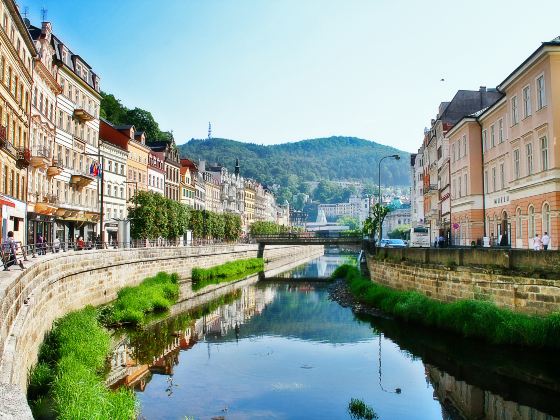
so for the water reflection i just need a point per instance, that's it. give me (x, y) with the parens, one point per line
(284, 350)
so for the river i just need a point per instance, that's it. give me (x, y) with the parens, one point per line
(280, 349)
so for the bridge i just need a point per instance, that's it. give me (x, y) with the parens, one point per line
(306, 238)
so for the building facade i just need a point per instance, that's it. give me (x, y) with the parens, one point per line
(172, 167)
(17, 52)
(156, 172)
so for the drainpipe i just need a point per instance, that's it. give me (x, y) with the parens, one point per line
(483, 184)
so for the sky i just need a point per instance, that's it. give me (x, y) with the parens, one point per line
(273, 71)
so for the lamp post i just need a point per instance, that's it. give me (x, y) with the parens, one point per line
(397, 390)
(396, 157)
(101, 159)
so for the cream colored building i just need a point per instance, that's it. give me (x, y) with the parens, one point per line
(41, 202)
(17, 52)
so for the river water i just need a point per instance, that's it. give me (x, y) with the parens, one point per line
(280, 349)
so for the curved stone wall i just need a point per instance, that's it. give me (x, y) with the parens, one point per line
(56, 284)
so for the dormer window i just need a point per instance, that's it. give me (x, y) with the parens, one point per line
(64, 55)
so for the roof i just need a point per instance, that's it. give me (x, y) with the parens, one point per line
(465, 102)
(528, 61)
(71, 59)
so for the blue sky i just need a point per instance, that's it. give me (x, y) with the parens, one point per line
(271, 71)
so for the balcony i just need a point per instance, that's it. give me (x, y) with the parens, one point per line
(3, 136)
(40, 157)
(47, 204)
(80, 179)
(55, 168)
(82, 115)
(23, 158)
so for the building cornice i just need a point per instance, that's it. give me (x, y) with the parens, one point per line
(78, 79)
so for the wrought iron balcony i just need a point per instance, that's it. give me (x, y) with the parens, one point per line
(40, 157)
(55, 168)
(23, 157)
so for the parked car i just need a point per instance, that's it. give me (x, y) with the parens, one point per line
(392, 243)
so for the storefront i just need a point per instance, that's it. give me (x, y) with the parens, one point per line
(13, 213)
(112, 232)
(39, 225)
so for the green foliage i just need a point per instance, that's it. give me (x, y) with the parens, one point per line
(68, 379)
(360, 410)
(154, 294)
(115, 112)
(374, 223)
(221, 226)
(352, 222)
(202, 277)
(290, 165)
(470, 318)
(152, 216)
(400, 232)
(267, 228)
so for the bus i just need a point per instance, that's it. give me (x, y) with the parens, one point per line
(420, 237)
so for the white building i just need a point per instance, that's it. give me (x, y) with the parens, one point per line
(356, 207)
(395, 219)
(156, 173)
(416, 191)
(114, 191)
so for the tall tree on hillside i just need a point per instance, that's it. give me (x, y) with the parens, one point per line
(143, 121)
(112, 109)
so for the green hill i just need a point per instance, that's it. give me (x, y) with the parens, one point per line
(288, 164)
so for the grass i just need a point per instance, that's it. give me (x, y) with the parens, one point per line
(467, 317)
(68, 380)
(133, 304)
(202, 277)
(360, 410)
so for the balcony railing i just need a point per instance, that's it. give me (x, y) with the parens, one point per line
(3, 136)
(81, 179)
(40, 157)
(23, 157)
(55, 168)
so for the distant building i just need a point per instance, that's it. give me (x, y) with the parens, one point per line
(156, 172)
(395, 218)
(356, 207)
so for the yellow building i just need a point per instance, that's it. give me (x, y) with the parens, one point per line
(250, 187)
(17, 52)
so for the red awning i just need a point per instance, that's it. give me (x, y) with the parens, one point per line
(6, 202)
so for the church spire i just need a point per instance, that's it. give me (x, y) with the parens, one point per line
(237, 167)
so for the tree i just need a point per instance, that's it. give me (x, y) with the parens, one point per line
(374, 223)
(352, 222)
(112, 109)
(143, 121)
(400, 232)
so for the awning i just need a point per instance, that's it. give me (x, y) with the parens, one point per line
(6, 202)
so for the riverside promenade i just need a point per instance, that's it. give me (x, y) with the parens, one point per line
(54, 284)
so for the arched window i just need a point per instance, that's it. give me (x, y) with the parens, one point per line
(518, 223)
(546, 218)
(531, 227)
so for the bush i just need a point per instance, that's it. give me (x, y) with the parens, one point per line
(202, 277)
(69, 377)
(154, 294)
(360, 410)
(468, 317)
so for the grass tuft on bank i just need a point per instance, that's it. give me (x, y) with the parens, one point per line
(133, 304)
(68, 380)
(233, 270)
(468, 317)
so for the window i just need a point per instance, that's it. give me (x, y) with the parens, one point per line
(501, 130)
(544, 153)
(514, 111)
(546, 218)
(464, 146)
(493, 179)
(460, 189)
(492, 136)
(531, 227)
(484, 140)
(466, 184)
(526, 101)
(541, 96)
(529, 151)
(502, 176)
(453, 151)
(516, 166)
(486, 182)
(518, 224)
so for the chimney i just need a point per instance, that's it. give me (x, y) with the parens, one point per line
(202, 166)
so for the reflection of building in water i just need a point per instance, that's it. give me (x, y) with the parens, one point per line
(126, 370)
(474, 403)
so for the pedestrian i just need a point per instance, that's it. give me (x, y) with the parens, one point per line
(504, 239)
(545, 241)
(56, 244)
(441, 241)
(537, 243)
(80, 243)
(12, 249)
(40, 244)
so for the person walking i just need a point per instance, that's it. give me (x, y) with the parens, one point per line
(537, 243)
(12, 247)
(545, 241)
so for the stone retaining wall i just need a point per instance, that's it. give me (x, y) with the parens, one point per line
(56, 284)
(523, 294)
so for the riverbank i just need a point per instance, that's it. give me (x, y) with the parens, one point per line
(469, 318)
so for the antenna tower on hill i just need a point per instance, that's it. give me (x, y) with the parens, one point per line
(209, 130)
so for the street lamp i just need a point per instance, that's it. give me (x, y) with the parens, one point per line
(396, 157)
(397, 390)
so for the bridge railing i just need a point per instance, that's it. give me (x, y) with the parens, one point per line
(307, 235)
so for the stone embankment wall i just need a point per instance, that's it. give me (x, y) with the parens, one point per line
(485, 276)
(56, 284)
